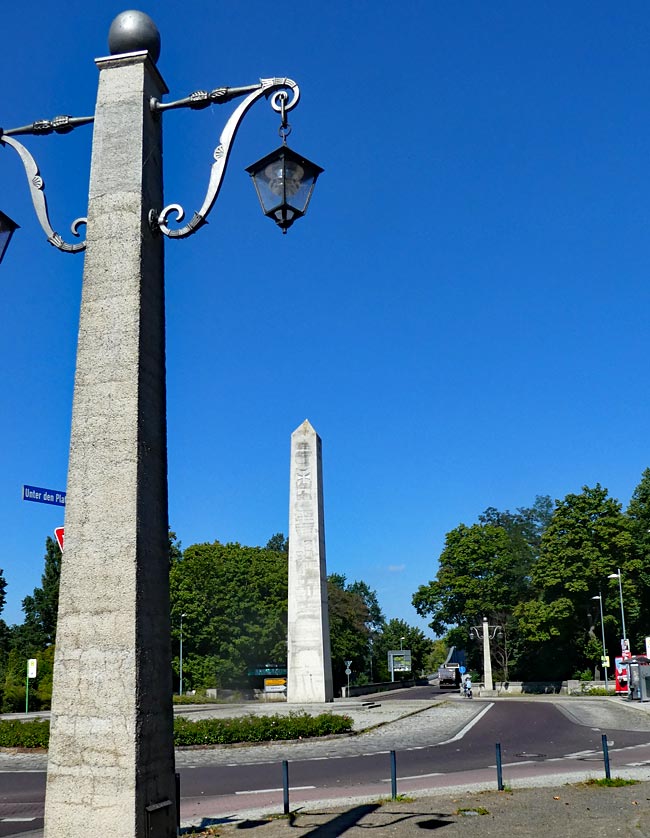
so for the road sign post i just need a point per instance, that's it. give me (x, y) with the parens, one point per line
(32, 665)
(348, 672)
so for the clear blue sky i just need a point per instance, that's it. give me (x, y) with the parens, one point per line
(462, 315)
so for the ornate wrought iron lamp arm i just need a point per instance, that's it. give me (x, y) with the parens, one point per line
(36, 185)
(275, 88)
(59, 125)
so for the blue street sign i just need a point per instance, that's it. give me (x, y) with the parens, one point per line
(39, 495)
(462, 670)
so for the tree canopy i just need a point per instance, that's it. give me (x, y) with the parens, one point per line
(537, 573)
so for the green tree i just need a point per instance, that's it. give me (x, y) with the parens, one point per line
(485, 570)
(3, 590)
(480, 573)
(588, 536)
(349, 631)
(41, 608)
(398, 634)
(175, 548)
(234, 599)
(278, 543)
(356, 620)
(376, 618)
(635, 575)
(436, 656)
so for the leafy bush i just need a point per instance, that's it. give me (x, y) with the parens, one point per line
(199, 698)
(36, 733)
(598, 691)
(258, 728)
(32, 734)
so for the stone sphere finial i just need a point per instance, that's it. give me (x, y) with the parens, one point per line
(133, 31)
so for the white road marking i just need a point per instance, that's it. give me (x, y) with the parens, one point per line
(469, 725)
(521, 762)
(414, 776)
(267, 791)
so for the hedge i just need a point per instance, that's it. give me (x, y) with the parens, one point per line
(35, 733)
(258, 728)
(32, 734)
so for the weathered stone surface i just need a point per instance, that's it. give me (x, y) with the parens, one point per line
(309, 665)
(111, 759)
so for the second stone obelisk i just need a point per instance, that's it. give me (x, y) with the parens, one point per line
(309, 663)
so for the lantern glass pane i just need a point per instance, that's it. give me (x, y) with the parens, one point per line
(284, 182)
(4, 241)
(7, 228)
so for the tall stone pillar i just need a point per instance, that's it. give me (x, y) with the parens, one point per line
(111, 758)
(309, 665)
(488, 686)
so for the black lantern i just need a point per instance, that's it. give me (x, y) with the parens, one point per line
(7, 227)
(284, 182)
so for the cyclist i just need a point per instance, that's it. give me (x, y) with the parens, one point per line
(467, 686)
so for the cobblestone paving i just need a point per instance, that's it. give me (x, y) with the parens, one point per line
(429, 725)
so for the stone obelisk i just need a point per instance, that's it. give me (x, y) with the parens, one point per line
(111, 757)
(309, 664)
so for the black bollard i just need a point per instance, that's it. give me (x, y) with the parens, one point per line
(393, 776)
(285, 786)
(608, 774)
(499, 768)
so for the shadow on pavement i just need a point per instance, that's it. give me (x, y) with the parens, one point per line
(340, 823)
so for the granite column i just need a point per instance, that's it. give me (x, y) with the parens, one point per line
(111, 758)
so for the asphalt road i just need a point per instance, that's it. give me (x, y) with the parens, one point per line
(534, 736)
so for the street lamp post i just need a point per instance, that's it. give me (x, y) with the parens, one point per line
(401, 643)
(602, 628)
(486, 632)
(180, 668)
(111, 753)
(625, 646)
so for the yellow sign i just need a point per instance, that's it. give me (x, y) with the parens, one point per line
(605, 660)
(275, 682)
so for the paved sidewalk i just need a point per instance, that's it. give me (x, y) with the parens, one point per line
(574, 811)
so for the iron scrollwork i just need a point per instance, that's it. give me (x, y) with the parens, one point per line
(36, 187)
(284, 94)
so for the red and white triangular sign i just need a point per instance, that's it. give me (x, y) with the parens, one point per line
(58, 534)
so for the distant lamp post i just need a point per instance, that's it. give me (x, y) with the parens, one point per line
(486, 632)
(401, 643)
(625, 646)
(602, 627)
(7, 228)
(180, 684)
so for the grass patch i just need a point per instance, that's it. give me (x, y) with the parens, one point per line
(474, 810)
(610, 782)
